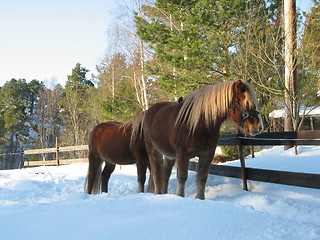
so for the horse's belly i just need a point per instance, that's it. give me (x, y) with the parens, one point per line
(117, 154)
(164, 147)
(120, 159)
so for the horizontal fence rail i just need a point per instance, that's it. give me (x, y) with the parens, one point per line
(270, 139)
(55, 150)
(271, 176)
(54, 162)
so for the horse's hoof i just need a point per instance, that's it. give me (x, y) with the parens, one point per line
(180, 194)
(201, 197)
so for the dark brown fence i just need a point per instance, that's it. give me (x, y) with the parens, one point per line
(271, 176)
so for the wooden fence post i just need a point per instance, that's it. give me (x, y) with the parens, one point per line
(252, 151)
(21, 165)
(57, 152)
(243, 167)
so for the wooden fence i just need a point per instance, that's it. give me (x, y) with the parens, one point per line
(271, 176)
(271, 139)
(55, 150)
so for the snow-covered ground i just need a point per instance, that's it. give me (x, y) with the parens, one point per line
(48, 203)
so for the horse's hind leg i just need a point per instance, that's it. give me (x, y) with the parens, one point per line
(166, 172)
(182, 173)
(155, 159)
(150, 188)
(106, 173)
(93, 180)
(142, 165)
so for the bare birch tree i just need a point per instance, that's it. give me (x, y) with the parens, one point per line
(125, 40)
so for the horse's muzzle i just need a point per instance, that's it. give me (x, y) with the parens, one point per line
(260, 128)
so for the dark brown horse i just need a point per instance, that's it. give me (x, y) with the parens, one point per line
(112, 143)
(191, 128)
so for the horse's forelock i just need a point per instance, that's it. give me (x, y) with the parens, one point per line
(253, 102)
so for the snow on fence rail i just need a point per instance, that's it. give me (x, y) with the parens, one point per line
(272, 139)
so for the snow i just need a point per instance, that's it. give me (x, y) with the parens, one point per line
(49, 203)
(307, 160)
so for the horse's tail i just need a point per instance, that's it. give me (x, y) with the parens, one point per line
(93, 180)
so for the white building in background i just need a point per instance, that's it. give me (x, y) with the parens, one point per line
(311, 121)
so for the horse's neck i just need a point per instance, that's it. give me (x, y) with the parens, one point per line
(210, 129)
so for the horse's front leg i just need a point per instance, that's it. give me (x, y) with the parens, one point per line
(182, 173)
(202, 174)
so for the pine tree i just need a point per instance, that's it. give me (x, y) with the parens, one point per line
(309, 62)
(77, 115)
(116, 87)
(310, 49)
(16, 108)
(192, 41)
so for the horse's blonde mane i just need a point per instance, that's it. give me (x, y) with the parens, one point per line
(212, 101)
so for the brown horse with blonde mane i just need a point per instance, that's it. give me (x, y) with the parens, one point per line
(115, 143)
(191, 128)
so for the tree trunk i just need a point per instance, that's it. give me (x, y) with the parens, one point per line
(143, 93)
(143, 81)
(290, 29)
(113, 82)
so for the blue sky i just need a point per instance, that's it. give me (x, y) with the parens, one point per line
(44, 39)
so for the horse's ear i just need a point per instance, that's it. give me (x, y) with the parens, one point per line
(180, 99)
(240, 86)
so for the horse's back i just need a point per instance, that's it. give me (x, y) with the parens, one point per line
(161, 116)
(103, 131)
(160, 109)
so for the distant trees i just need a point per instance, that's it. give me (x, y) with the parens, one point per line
(32, 115)
(310, 48)
(116, 89)
(46, 121)
(14, 103)
(124, 40)
(308, 58)
(76, 104)
(17, 105)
